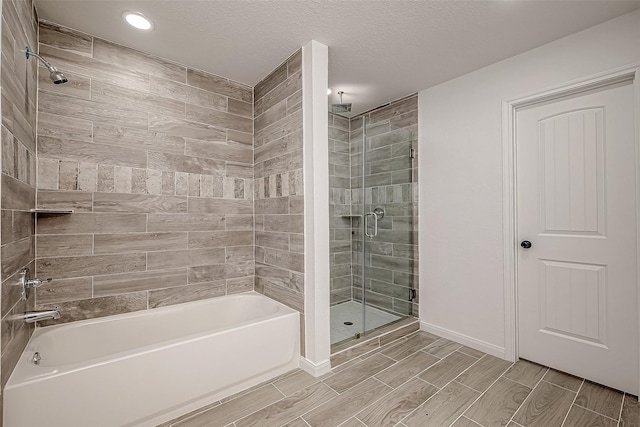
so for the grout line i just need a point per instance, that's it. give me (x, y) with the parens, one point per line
(529, 396)
(598, 413)
(433, 344)
(374, 401)
(357, 419)
(422, 404)
(572, 403)
(481, 393)
(462, 350)
(402, 360)
(425, 381)
(471, 388)
(564, 388)
(624, 396)
(244, 392)
(525, 385)
(257, 410)
(469, 419)
(274, 386)
(319, 405)
(439, 388)
(396, 388)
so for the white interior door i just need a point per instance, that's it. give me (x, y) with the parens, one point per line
(576, 205)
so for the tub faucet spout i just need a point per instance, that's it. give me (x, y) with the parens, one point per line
(37, 316)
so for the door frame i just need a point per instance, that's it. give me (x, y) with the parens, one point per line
(509, 188)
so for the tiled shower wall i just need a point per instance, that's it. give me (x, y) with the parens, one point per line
(340, 226)
(392, 183)
(156, 160)
(279, 192)
(17, 187)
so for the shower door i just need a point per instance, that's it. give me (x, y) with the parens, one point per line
(385, 232)
(372, 227)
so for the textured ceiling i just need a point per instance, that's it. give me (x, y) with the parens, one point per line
(379, 51)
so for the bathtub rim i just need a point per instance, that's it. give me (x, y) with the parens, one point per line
(292, 317)
(156, 310)
(28, 372)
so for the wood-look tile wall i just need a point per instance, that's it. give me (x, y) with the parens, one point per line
(392, 183)
(18, 181)
(156, 160)
(17, 187)
(278, 184)
(340, 227)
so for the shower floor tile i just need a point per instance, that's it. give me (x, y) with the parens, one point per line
(351, 311)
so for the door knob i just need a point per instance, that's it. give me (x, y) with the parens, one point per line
(526, 244)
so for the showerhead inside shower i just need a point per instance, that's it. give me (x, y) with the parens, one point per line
(56, 76)
(341, 107)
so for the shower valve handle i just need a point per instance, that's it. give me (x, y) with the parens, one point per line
(27, 283)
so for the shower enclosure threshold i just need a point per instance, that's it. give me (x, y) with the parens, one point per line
(382, 335)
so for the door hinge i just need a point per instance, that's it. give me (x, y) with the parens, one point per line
(412, 153)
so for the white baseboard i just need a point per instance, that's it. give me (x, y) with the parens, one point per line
(474, 343)
(313, 369)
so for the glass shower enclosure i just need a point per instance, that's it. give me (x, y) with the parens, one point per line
(373, 225)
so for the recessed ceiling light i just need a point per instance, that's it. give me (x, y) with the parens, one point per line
(136, 19)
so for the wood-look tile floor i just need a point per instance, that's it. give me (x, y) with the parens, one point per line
(423, 380)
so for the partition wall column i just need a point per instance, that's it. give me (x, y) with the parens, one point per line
(315, 77)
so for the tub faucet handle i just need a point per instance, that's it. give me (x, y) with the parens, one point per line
(35, 283)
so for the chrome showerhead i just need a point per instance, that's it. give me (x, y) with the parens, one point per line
(56, 76)
(341, 107)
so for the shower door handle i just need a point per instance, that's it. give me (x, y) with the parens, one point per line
(366, 224)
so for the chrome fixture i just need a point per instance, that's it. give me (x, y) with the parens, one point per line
(377, 214)
(56, 76)
(341, 107)
(36, 358)
(38, 316)
(27, 283)
(379, 211)
(366, 224)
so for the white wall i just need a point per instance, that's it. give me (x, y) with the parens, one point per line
(460, 124)
(315, 81)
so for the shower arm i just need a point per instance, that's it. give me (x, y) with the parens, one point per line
(50, 67)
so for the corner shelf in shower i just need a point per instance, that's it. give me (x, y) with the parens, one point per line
(51, 211)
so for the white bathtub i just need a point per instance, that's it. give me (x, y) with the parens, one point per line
(143, 368)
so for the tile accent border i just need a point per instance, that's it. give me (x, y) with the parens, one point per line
(156, 159)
